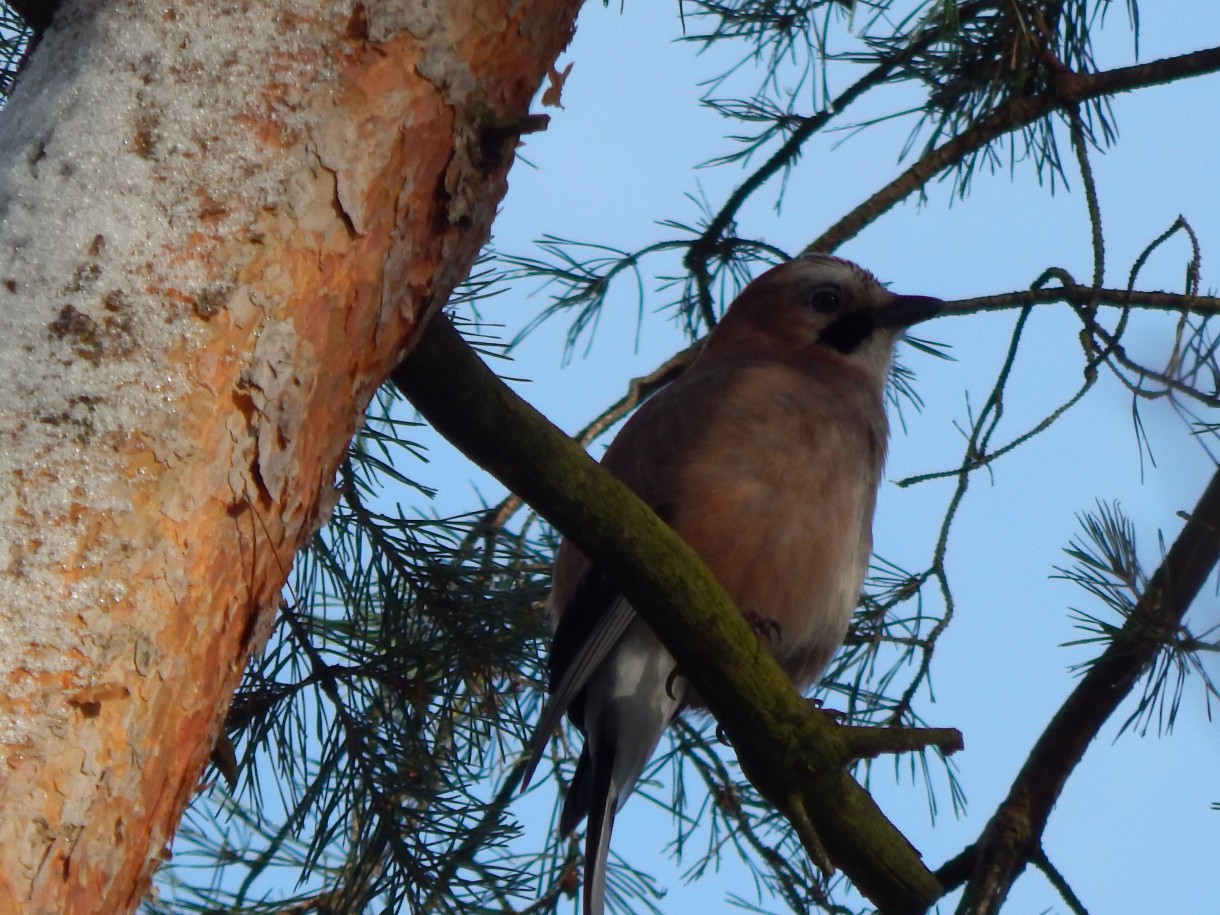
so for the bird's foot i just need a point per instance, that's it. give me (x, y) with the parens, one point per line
(764, 627)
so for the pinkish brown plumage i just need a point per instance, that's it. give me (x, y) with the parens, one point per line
(765, 456)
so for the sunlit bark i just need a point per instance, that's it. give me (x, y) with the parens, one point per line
(222, 223)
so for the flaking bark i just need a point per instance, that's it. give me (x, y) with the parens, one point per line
(223, 223)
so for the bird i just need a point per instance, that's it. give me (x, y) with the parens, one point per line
(765, 456)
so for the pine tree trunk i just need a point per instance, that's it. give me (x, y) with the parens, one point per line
(221, 224)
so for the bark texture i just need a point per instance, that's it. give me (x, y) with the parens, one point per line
(220, 225)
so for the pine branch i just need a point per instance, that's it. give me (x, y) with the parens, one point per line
(1065, 91)
(1013, 836)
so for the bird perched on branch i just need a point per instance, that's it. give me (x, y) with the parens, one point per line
(765, 456)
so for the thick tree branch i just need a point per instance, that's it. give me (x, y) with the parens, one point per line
(1013, 836)
(639, 390)
(795, 757)
(1067, 90)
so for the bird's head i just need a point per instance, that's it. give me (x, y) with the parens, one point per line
(822, 304)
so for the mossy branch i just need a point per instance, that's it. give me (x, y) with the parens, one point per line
(869, 743)
(794, 756)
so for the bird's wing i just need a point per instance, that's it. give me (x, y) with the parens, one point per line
(591, 612)
(572, 674)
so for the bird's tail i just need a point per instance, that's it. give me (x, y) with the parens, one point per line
(593, 793)
(627, 708)
(604, 798)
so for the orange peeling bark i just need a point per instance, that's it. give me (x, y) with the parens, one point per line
(294, 309)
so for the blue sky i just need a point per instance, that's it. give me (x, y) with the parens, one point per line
(1133, 832)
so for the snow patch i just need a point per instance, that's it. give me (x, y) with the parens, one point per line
(136, 134)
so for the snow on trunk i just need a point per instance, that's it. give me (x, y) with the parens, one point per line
(220, 223)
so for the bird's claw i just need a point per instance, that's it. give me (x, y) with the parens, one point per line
(674, 676)
(764, 627)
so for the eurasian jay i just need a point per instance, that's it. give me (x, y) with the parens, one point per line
(765, 456)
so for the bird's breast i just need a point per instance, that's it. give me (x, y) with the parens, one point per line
(779, 503)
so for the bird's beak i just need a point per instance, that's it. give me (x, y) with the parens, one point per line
(906, 310)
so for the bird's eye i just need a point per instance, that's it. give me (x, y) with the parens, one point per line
(826, 299)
